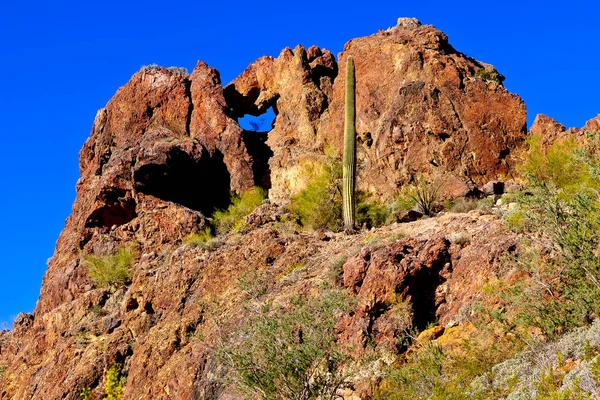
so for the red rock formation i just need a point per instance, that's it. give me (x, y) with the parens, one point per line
(422, 108)
(166, 151)
(162, 152)
(593, 125)
(213, 128)
(549, 130)
(422, 279)
(298, 85)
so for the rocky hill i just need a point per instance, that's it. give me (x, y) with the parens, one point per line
(167, 151)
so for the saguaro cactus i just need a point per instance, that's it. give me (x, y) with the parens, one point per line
(349, 160)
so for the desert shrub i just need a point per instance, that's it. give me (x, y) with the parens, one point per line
(568, 288)
(403, 200)
(515, 221)
(114, 384)
(372, 213)
(156, 67)
(226, 220)
(335, 269)
(462, 205)
(422, 197)
(488, 75)
(291, 353)
(198, 239)
(86, 394)
(253, 284)
(204, 240)
(181, 70)
(465, 204)
(560, 204)
(459, 373)
(562, 165)
(319, 204)
(425, 196)
(151, 67)
(113, 388)
(111, 270)
(485, 203)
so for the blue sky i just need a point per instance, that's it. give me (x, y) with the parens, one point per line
(61, 61)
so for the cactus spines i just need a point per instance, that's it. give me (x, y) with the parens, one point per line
(349, 159)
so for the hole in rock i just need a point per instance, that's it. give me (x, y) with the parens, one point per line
(200, 184)
(256, 130)
(422, 292)
(148, 308)
(132, 304)
(118, 209)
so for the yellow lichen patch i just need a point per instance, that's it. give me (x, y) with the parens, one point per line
(454, 337)
(431, 334)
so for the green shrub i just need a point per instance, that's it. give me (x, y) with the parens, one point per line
(198, 239)
(113, 387)
(562, 165)
(489, 75)
(429, 372)
(319, 204)
(515, 221)
(111, 270)
(426, 196)
(114, 384)
(226, 220)
(404, 199)
(561, 204)
(462, 205)
(422, 197)
(290, 354)
(86, 394)
(204, 240)
(372, 213)
(335, 270)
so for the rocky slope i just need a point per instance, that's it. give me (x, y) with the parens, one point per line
(167, 150)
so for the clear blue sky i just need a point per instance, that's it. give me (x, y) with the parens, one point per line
(61, 61)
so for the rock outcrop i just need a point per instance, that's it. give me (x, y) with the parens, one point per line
(549, 130)
(423, 109)
(427, 277)
(298, 85)
(163, 328)
(167, 150)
